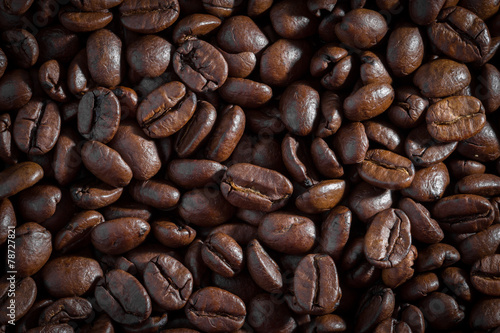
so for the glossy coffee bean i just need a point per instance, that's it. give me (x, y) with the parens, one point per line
(484, 275)
(120, 235)
(148, 17)
(222, 254)
(104, 54)
(263, 269)
(33, 245)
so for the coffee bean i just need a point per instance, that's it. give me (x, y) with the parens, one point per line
(213, 309)
(19, 177)
(484, 275)
(222, 254)
(104, 54)
(149, 55)
(150, 16)
(441, 78)
(321, 197)
(120, 235)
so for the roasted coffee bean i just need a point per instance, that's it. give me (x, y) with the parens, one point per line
(242, 233)
(484, 314)
(246, 93)
(93, 194)
(38, 203)
(70, 276)
(82, 21)
(194, 25)
(149, 55)
(123, 297)
(487, 185)
(455, 118)
(157, 193)
(264, 313)
(423, 150)
(441, 78)
(99, 115)
(297, 162)
(463, 168)
(351, 143)
(325, 159)
(366, 200)
(361, 28)
(299, 106)
(376, 305)
(21, 47)
(480, 245)
(76, 234)
(287, 233)
(449, 311)
(222, 254)
(457, 279)
(150, 16)
(405, 49)
(436, 256)
(33, 244)
(205, 207)
(24, 297)
(460, 34)
(368, 102)
(402, 272)
(166, 110)
(252, 187)
(7, 219)
(19, 177)
(213, 309)
(137, 150)
(52, 79)
(200, 66)
(423, 227)
(8, 150)
(168, 282)
(419, 286)
(321, 197)
(173, 235)
(104, 54)
(386, 169)
(316, 285)
(227, 133)
(263, 269)
(482, 147)
(16, 89)
(64, 310)
(464, 213)
(429, 184)
(195, 173)
(120, 235)
(484, 275)
(37, 127)
(388, 238)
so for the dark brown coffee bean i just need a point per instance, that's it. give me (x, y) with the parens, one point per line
(242, 233)
(423, 227)
(195, 173)
(38, 203)
(196, 130)
(372, 70)
(316, 285)
(252, 187)
(484, 314)
(457, 279)
(482, 147)
(128, 101)
(99, 115)
(388, 238)
(429, 184)
(106, 164)
(246, 93)
(263, 269)
(149, 55)
(8, 150)
(104, 54)
(455, 118)
(351, 143)
(205, 207)
(485, 273)
(464, 213)
(405, 50)
(335, 231)
(436, 256)
(53, 81)
(386, 169)
(7, 219)
(297, 162)
(82, 21)
(33, 244)
(76, 234)
(369, 101)
(408, 109)
(487, 185)
(150, 16)
(166, 110)
(321, 197)
(173, 235)
(461, 28)
(226, 134)
(70, 276)
(385, 134)
(64, 310)
(293, 20)
(480, 245)
(284, 61)
(21, 47)
(366, 200)
(17, 297)
(19, 177)
(168, 282)
(137, 150)
(264, 314)
(193, 26)
(299, 106)
(361, 28)
(419, 287)
(222, 254)
(287, 233)
(325, 160)
(94, 194)
(441, 78)
(123, 297)
(441, 311)
(120, 235)
(241, 65)
(200, 66)
(157, 193)
(463, 168)
(15, 89)
(376, 305)
(213, 309)
(423, 150)
(37, 127)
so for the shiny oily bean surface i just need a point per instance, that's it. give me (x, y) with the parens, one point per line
(120, 235)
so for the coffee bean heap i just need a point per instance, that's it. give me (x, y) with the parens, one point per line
(182, 166)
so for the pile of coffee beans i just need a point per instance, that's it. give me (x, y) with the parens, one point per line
(183, 166)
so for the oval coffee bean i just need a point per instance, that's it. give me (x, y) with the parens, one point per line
(299, 107)
(386, 169)
(464, 213)
(436, 256)
(485, 275)
(148, 17)
(369, 101)
(166, 110)
(321, 197)
(173, 235)
(130, 307)
(99, 115)
(19, 177)
(120, 235)
(287, 233)
(316, 284)
(213, 309)
(226, 134)
(376, 305)
(487, 185)
(423, 227)
(16, 89)
(33, 245)
(104, 54)
(222, 254)
(77, 232)
(149, 55)
(252, 187)
(23, 298)
(205, 207)
(37, 127)
(246, 93)
(71, 276)
(93, 194)
(64, 310)
(263, 269)
(194, 25)
(195, 173)
(168, 282)
(455, 118)
(441, 78)
(157, 193)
